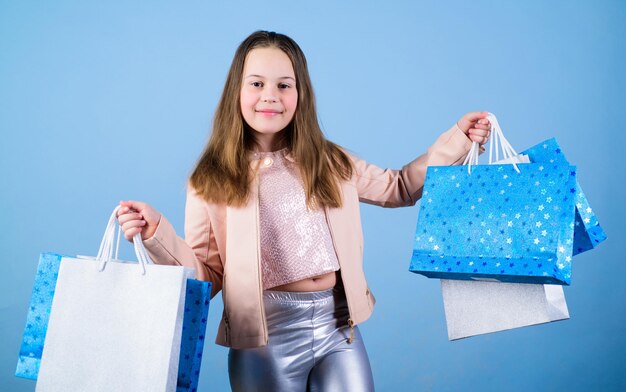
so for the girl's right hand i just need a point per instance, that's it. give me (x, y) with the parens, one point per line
(476, 126)
(137, 217)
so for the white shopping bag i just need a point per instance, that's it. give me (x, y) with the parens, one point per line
(475, 308)
(114, 326)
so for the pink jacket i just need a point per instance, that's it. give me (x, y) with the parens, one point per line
(222, 242)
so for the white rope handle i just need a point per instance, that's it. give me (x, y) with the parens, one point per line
(105, 253)
(472, 157)
(498, 143)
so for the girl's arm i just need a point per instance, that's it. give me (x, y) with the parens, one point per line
(399, 188)
(199, 249)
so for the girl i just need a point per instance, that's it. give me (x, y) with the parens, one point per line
(272, 219)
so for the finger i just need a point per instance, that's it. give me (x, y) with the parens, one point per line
(469, 119)
(125, 204)
(475, 116)
(478, 135)
(482, 126)
(479, 132)
(130, 216)
(133, 205)
(133, 223)
(131, 233)
(124, 208)
(479, 139)
(137, 205)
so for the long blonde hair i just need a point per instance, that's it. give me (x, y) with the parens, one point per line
(223, 175)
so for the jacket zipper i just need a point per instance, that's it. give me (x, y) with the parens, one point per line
(350, 321)
(227, 328)
(258, 259)
(351, 324)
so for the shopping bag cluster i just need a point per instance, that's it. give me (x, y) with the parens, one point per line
(105, 324)
(518, 220)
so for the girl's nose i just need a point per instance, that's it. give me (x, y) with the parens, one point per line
(269, 95)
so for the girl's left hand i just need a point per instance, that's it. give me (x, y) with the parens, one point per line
(476, 126)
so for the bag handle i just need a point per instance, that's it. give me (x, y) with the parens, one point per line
(105, 253)
(498, 143)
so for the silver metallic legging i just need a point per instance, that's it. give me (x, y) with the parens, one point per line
(308, 347)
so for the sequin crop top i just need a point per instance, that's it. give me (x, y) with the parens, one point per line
(295, 241)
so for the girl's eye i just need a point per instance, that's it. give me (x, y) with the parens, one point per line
(283, 85)
(257, 84)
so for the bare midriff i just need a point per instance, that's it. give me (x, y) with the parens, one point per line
(316, 283)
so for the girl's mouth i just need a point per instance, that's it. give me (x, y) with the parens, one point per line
(268, 112)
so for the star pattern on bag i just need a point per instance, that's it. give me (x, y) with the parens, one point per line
(587, 230)
(38, 315)
(194, 327)
(488, 224)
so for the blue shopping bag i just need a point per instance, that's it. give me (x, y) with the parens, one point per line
(197, 300)
(497, 223)
(588, 233)
(194, 330)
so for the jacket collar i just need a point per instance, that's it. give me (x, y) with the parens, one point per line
(256, 156)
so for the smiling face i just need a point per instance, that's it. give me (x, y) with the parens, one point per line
(268, 95)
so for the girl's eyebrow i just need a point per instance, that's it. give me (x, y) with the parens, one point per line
(259, 76)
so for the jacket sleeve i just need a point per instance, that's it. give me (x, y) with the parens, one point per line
(399, 188)
(199, 249)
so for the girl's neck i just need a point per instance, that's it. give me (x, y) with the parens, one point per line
(269, 143)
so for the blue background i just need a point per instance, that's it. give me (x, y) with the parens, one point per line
(110, 101)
